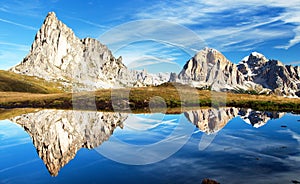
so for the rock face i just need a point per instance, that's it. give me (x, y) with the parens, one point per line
(212, 120)
(271, 74)
(210, 68)
(59, 134)
(58, 55)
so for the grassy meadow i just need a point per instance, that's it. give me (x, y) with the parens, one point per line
(167, 98)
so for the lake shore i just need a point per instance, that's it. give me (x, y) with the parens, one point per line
(166, 99)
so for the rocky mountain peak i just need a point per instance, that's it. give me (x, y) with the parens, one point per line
(272, 75)
(83, 64)
(209, 67)
(255, 59)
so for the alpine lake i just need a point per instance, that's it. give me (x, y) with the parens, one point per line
(228, 145)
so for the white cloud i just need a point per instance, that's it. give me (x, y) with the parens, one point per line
(195, 12)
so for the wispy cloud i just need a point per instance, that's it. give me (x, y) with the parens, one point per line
(19, 24)
(89, 22)
(151, 42)
(294, 63)
(24, 8)
(16, 46)
(150, 60)
(234, 21)
(9, 58)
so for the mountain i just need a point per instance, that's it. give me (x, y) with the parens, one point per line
(210, 69)
(271, 74)
(85, 64)
(58, 134)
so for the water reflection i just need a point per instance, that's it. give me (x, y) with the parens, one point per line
(59, 134)
(213, 120)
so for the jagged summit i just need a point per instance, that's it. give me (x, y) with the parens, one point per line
(51, 14)
(209, 67)
(85, 64)
(254, 55)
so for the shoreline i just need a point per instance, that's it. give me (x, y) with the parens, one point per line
(165, 99)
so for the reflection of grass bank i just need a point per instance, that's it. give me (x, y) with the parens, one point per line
(140, 99)
(10, 113)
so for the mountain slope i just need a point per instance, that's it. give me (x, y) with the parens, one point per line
(210, 68)
(271, 74)
(58, 55)
(10, 81)
(83, 64)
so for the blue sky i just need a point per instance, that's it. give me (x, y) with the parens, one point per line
(160, 32)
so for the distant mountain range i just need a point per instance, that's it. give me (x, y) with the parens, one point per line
(85, 64)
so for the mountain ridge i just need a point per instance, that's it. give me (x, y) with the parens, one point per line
(86, 64)
(209, 68)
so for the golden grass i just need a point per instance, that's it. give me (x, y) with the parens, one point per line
(11, 113)
(176, 98)
(10, 81)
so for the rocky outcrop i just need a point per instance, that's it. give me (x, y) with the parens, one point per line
(271, 74)
(213, 120)
(210, 68)
(83, 64)
(59, 134)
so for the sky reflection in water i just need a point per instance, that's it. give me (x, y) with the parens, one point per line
(236, 152)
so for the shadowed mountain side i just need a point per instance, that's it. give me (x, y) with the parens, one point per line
(59, 134)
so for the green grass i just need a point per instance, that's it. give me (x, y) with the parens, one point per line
(13, 82)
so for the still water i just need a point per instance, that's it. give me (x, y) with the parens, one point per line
(229, 145)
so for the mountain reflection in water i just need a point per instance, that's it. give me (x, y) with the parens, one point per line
(58, 134)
